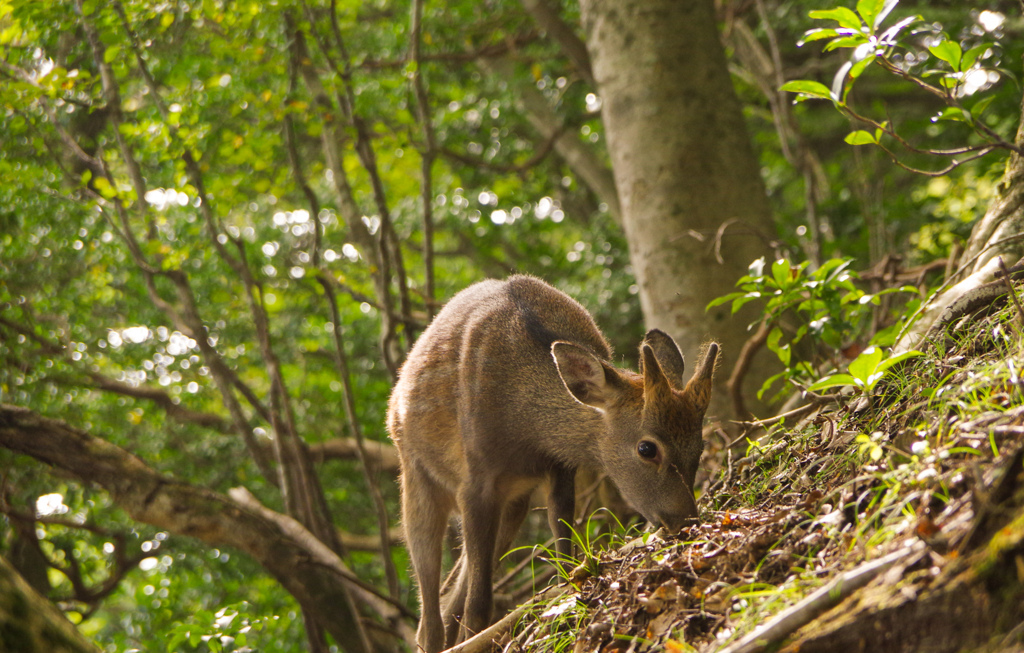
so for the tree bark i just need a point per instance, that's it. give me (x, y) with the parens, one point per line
(319, 581)
(693, 204)
(31, 624)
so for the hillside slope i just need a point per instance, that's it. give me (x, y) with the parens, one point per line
(890, 522)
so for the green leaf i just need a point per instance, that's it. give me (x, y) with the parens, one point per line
(833, 381)
(807, 87)
(769, 382)
(740, 302)
(104, 188)
(866, 364)
(861, 66)
(784, 352)
(845, 17)
(780, 272)
(718, 301)
(860, 137)
(951, 113)
(949, 81)
(980, 106)
(111, 53)
(899, 358)
(817, 35)
(883, 13)
(948, 51)
(854, 41)
(974, 54)
(869, 9)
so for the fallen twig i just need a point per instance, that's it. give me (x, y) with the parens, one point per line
(821, 600)
(816, 401)
(485, 639)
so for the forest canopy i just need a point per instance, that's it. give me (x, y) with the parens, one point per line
(223, 225)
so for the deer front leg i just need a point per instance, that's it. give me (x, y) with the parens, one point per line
(562, 509)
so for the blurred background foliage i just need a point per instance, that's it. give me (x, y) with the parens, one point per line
(81, 337)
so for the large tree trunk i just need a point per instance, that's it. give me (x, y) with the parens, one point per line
(693, 204)
(999, 234)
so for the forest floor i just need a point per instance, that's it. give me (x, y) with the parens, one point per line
(893, 522)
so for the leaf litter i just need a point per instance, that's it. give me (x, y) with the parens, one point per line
(918, 469)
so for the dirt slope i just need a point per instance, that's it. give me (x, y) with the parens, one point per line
(915, 493)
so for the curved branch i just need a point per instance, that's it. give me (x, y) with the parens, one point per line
(321, 588)
(32, 621)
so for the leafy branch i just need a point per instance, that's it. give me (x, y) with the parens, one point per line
(871, 42)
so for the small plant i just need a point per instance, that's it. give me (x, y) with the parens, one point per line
(824, 302)
(865, 371)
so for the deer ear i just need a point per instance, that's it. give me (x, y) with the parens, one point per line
(656, 384)
(585, 376)
(668, 355)
(700, 385)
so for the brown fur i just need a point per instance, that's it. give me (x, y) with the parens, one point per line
(510, 387)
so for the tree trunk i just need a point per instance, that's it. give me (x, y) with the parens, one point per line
(693, 204)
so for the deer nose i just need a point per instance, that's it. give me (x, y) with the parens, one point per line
(684, 514)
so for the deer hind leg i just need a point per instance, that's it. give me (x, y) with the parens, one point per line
(469, 590)
(511, 519)
(454, 599)
(425, 509)
(481, 508)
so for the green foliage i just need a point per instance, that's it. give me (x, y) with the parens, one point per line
(824, 303)
(865, 371)
(963, 69)
(97, 272)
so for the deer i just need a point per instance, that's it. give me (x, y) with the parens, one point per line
(508, 388)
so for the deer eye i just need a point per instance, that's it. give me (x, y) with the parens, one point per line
(647, 449)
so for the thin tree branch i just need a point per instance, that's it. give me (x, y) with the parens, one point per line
(341, 363)
(427, 155)
(546, 15)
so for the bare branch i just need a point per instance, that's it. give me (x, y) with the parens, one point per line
(428, 154)
(545, 14)
(187, 510)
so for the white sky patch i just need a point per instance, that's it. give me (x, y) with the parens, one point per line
(136, 334)
(990, 21)
(179, 344)
(543, 209)
(50, 504)
(161, 198)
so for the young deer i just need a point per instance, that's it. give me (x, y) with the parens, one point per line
(511, 386)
